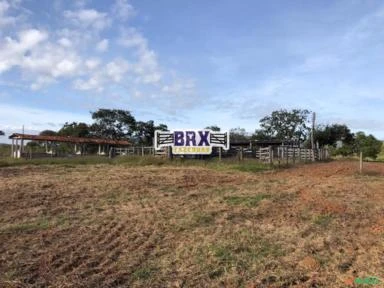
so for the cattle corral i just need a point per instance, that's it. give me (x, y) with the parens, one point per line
(313, 225)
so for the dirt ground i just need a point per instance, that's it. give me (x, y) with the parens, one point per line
(315, 225)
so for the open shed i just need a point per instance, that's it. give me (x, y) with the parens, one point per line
(18, 148)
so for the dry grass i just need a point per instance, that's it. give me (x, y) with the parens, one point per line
(317, 225)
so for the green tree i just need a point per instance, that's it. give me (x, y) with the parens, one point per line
(286, 125)
(368, 144)
(238, 135)
(145, 131)
(75, 129)
(261, 135)
(48, 133)
(113, 123)
(2, 133)
(214, 128)
(330, 134)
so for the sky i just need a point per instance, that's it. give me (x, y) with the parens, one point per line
(191, 63)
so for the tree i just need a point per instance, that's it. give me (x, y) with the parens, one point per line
(75, 129)
(2, 133)
(238, 135)
(113, 123)
(330, 134)
(286, 125)
(369, 145)
(145, 131)
(48, 133)
(261, 135)
(214, 128)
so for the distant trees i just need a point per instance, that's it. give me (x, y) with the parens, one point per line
(2, 133)
(368, 144)
(330, 134)
(144, 132)
(213, 128)
(113, 123)
(75, 129)
(350, 143)
(48, 133)
(284, 125)
(238, 135)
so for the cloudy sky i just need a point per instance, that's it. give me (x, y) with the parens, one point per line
(191, 63)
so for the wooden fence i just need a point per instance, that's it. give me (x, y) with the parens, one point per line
(267, 154)
(284, 153)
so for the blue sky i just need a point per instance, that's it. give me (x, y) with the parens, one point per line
(190, 64)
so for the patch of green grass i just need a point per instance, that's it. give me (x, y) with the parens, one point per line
(249, 201)
(144, 273)
(134, 161)
(244, 252)
(323, 220)
(251, 166)
(39, 224)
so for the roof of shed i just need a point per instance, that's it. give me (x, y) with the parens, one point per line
(70, 139)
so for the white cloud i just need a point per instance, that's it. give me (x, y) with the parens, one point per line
(45, 57)
(12, 51)
(93, 83)
(5, 20)
(92, 64)
(103, 45)
(116, 69)
(123, 10)
(131, 38)
(65, 42)
(146, 68)
(88, 18)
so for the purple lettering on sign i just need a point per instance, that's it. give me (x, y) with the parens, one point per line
(190, 137)
(203, 138)
(179, 138)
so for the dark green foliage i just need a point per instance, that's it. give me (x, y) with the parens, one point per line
(369, 145)
(113, 123)
(145, 131)
(345, 150)
(330, 134)
(213, 128)
(2, 133)
(75, 129)
(48, 133)
(285, 125)
(238, 135)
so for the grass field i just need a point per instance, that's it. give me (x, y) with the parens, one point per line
(103, 225)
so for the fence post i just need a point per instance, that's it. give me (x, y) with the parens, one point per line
(142, 151)
(270, 155)
(294, 155)
(361, 162)
(219, 153)
(170, 155)
(299, 154)
(287, 156)
(241, 154)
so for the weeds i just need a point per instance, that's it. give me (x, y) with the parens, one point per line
(323, 220)
(249, 201)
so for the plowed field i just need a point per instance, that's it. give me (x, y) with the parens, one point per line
(316, 225)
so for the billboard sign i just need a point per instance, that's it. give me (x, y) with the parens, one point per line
(191, 142)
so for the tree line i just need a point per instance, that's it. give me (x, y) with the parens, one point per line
(293, 125)
(113, 124)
